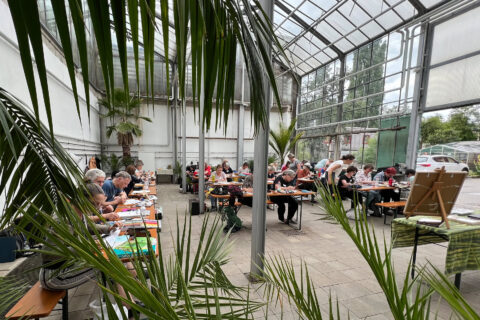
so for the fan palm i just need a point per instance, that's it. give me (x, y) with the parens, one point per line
(210, 29)
(124, 113)
(284, 139)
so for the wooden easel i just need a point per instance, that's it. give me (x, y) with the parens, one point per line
(434, 192)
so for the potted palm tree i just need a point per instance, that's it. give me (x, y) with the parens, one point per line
(284, 139)
(123, 111)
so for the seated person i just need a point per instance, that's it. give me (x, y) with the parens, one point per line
(114, 189)
(285, 182)
(227, 170)
(191, 168)
(217, 176)
(285, 166)
(97, 176)
(410, 175)
(345, 183)
(385, 176)
(52, 275)
(364, 177)
(134, 179)
(208, 170)
(270, 177)
(139, 168)
(247, 186)
(305, 173)
(244, 169)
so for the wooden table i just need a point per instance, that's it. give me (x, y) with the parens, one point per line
(226, 184)
(152, 191)
(151, 216)
(306, 180)
(276, 194)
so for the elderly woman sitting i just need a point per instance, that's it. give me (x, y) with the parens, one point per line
(217, 176)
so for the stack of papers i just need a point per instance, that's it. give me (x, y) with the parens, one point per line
(131, 201)
(464, 220)
(133, 214)
(141, 224)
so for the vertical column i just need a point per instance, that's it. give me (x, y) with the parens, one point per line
(184, 146)
(341, 83)
(174, 107)
(260, 175)
(240, 133)
(201, 140)
(416, 113)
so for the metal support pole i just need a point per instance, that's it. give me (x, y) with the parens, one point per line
(341, 83)
(241, 117)
(240, 133)
(416, 113)
(174, 107)
(260, 175)
(184, 146)
(201, 141)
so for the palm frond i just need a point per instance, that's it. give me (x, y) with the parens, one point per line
(409, 301)
(30, 158)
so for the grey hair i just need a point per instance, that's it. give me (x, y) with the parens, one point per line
(123, 174)
(270, 168)
(291, 155)
(94, 189)
(92, 174)
(289, 172)
(138, 163)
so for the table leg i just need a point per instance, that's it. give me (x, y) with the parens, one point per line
(65, 306)
(414, 258)
(300, 215)
(458, 279)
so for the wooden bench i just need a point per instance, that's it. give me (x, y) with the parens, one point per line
(396, 205)
(38, 303)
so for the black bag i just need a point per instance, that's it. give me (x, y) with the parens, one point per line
(219, 191)
(233, 221)
(20, 240)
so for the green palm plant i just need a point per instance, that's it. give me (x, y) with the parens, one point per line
(123, 111)
(210, 29)
(284, 139)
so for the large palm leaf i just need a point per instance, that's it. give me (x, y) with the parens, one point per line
(34, 168)
(283, 140)
(212, 28)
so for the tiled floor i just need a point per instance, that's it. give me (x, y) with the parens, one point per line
(334, 263)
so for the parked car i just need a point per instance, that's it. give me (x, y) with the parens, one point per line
(430, 163)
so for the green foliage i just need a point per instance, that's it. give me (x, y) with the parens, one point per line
(34, 168)
(212, 48)
(460, 126)
(111, 162)
(271, 159)
(123, 110)
(11, 290)
(126, 161)
(369, 153)
(177, 170)
(283, 140)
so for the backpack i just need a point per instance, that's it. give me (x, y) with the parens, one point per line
(233, 222)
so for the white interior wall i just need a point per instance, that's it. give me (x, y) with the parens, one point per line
(156, 144)
(81, 139)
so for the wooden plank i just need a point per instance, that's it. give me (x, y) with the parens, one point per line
(37, 302)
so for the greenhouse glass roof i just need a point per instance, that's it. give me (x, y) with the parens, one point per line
(315, 32)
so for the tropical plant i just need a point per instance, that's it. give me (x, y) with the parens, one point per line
(123, 111)
(30, 158)
(118, 25)
(284, 139)
(111, 163)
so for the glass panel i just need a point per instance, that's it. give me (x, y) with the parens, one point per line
(453, 38)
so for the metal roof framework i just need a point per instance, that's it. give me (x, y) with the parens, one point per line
(315, 32)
